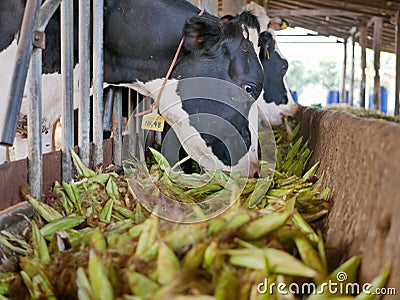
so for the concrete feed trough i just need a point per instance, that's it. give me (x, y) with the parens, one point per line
(360, 159)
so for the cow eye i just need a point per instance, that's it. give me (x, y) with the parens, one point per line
(249, 89)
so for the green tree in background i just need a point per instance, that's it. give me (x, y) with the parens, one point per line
(299, 76)
(328, 74)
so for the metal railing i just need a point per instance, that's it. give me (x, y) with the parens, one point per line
(35, 20)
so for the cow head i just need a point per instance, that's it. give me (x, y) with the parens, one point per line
(223, 50)
(276, 100)
(218, 129)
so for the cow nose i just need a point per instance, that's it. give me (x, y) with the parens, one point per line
(255, 170)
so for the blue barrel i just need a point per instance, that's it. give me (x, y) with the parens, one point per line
(384, 99)
(332, 97)
(295, 97)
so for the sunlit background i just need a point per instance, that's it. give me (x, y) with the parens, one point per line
(316, 67)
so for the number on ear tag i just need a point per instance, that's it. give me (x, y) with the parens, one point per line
(153, 121)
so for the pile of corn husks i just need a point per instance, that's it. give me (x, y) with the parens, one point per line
(363, 113)
(92, 239)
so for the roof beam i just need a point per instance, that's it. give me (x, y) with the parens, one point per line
(311, 12)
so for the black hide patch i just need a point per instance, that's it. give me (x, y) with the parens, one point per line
(219, 112)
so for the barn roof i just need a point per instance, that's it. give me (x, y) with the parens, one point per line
(338, 17)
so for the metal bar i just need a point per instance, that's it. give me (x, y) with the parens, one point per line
(67, 65)
(351, 92)
(378, 23)
(35, 157)
(18, 79)
(363, 44)
(98, 6)
(397, 89)
(343, 83)
(84, 82)
(15, 214)
(141, 132)
(117, 128)
(133, 101)
(35, 124)
(108, 109)
(46, 12)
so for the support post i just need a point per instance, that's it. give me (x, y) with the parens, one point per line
(67, 62)
(84, 82)
(35, 157)
(351, 91)
(363, 43)
(117, 128)
(35, 125)
(378, 22)
(343, 83)
(397, 90)
(98, 82)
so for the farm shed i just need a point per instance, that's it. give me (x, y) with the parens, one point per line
(360, 158)
(372, 24)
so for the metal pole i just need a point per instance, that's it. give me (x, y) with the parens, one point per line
(35, 124)
(46, 12)
(35, 158)
(67, 65)
(343, 84)
(98, 81)
(351, 92)
(363, 44)
(132, 124)
(84, 82)
(378, 23)
(397, 90)
(117, 128)
(108, 109)
(18, 79)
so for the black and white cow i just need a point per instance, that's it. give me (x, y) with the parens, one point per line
(140, 39)
(276, 99)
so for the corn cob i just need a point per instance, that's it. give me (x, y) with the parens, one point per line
(101, 286)
(61, 224)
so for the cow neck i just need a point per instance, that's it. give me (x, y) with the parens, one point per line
(154, 106)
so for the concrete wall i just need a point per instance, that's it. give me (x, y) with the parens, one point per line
(360, 159)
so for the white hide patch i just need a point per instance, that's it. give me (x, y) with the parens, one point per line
(51, 101)
(260, 13)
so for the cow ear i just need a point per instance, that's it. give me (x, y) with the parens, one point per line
(266, 38)
(201, 34)
(267, 43)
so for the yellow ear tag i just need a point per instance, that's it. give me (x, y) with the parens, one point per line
(153, 121)
(267, 55)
